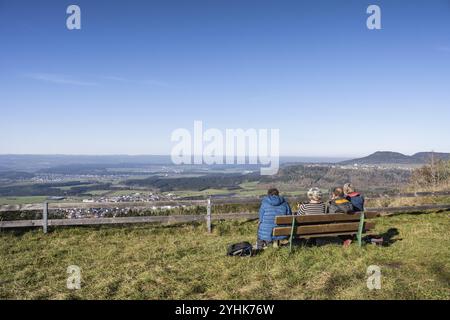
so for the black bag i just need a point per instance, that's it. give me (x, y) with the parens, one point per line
(345, 207)
(241, 249)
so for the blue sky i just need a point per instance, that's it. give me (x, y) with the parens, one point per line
(137, 70)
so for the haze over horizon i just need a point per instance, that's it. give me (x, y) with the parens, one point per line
(138, 70)
(168, 155)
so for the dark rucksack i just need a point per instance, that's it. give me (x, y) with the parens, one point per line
(346, 207)
(341, 206)
(241, 249)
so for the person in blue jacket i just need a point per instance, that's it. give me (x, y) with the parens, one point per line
(272, 205)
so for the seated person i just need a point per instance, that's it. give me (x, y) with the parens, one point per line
(338, 202)
(355, 198)
(315, 204)
(271, 206)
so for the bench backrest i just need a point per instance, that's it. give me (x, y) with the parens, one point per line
(323, 224)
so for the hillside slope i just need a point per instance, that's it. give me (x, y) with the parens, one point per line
(389, 157)
(305, 177)
(184, 262)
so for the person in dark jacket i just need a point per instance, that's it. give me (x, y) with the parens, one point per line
(354, 197)
(271, 206)
(338, 202)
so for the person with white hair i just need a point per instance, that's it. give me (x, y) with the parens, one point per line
(314, 205)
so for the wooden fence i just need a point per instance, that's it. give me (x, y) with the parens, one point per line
(170, 219)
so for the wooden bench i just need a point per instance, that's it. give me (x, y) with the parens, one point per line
(324, 225)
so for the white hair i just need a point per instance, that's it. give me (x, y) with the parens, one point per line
(348, 188)
(315, 194)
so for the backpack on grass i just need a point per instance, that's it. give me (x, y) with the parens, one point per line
(241, 249)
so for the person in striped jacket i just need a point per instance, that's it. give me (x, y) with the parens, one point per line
(315, 204)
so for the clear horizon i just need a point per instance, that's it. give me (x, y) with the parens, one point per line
(168, 155)
(138, 70)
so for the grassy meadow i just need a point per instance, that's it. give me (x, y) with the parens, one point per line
(184, 262)
(22, 200)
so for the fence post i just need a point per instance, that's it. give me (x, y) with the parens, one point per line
(45, 217)
(208, 215)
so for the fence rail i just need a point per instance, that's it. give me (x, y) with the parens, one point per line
(91, 205)
(174, 219)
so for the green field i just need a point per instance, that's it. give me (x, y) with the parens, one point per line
(98, 193)
(117, 193)
(22, 200)
(247, 189)
(202, 193)
(184, 262)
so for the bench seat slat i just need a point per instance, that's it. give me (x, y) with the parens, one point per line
(324, 218)
(333, 234)
(321, 229)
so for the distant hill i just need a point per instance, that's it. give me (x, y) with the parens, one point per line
(389, 157)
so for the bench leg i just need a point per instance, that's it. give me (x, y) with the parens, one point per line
(291, 238)
(360, 229)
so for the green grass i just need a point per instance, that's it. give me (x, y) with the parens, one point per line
(249, 185)
(98, 192)
(257, 189)
(206, 192)
(22, 200)
(125, 192)
(407, 201)
(184, 262)
(248, 189)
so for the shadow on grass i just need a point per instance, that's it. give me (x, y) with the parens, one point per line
(20, 231)
(441, 273)
(388, 237)
(417, 213)
(131, 226)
